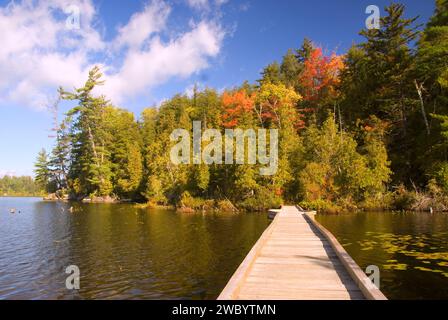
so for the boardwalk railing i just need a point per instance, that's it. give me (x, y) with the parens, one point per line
(297, 258)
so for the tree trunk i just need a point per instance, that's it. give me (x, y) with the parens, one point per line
(422, 104)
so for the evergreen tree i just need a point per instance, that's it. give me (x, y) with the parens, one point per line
(60, 158)
(381, 83)
(305, 50)
(430, 79)
(90, 171)
(271, 74)
(290, 70)
(42, 171)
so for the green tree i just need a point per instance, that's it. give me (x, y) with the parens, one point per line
(379, 82)
(90, 171)
(59, 162)
(290, 69)
(336, 171)
(42, 171)
(271, 74)
(125, 145)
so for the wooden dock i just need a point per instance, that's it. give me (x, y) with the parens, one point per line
(296, 258)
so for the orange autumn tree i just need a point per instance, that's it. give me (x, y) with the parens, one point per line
(320, 78)
(238, 108)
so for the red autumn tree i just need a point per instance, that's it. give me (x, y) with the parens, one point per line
(320, 77)
(238, 107)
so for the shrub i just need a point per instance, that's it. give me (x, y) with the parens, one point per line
(264, 199)
(188, 201)
(320, 205)
(403, 199)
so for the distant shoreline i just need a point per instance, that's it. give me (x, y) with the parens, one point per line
(20, 196)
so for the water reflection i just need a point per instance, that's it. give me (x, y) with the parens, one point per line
(122, 252)
(411, 249)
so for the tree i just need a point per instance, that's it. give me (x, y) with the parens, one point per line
(379, 82)
(337, 171)
(319, 80)
(60, 158)
(271, 74)
(276, 106)
(238, 107)
(165, 182)
(290, 69)
(42, 171)
(440, 17)
(90, 171)
(19, 186)
(430, 78)
(305, 50)
(125, 147)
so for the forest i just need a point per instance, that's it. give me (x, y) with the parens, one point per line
(11, 186)
(367, 129)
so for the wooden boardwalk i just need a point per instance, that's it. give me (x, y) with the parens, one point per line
(298, 259)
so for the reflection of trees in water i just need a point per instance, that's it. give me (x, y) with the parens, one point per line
(410, 249)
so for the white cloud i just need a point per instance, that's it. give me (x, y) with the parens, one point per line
(198, 4)
(38, 53)
(180, 57)
(205, 5)
(143, 24)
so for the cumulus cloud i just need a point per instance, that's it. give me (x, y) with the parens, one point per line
(143, 24)
(198, 4)
(39, 53)
(180, 57)
(205, 5)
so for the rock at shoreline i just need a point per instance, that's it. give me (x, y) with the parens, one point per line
(107, 199)
(51, 197)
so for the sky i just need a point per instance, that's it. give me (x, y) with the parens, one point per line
(150, 50)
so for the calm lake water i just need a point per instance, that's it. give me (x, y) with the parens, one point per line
(410, 249)
(122, 252)
(129, 253)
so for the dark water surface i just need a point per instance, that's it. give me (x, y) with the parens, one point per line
(122, 252)
(410, 249)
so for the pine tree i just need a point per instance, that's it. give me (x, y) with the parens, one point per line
(60, 158)
(381, 83)
(290, 69)
(42, 171)
(271, 74)
(90, 171)
(305, 50)
(125, 147)
(430, 78)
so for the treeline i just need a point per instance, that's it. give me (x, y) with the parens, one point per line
(11, 186)
(357, 130)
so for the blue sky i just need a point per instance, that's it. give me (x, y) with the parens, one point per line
(150, 50)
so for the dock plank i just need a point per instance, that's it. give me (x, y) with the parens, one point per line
(296, 258)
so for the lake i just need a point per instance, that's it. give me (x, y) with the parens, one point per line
(410, 249)
(128, 253)
(122, 252)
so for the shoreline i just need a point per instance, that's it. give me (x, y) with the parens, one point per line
(211, 209)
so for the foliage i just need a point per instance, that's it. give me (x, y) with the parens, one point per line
(351, 129)
(19, 186)
(337, 169)
(42, 172)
